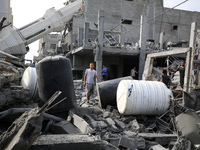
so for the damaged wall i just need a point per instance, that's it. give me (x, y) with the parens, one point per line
(175, 22)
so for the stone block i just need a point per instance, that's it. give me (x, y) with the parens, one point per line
(63, 127)
(130, 133)
(70, 142)
(127, 143)
(135, 127)
(128, 119)
(110, 121)
(109, 108)
(114, 141)
(157, 147)
(81, 124)
(106, 114)
(113, 128)
(98, 124)
(119, 124)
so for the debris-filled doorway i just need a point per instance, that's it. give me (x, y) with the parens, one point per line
(129, 63)
(113, 71)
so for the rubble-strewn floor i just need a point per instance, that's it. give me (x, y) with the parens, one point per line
(90, 127)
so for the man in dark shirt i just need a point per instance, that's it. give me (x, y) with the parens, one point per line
(165, 78)
(181, 70)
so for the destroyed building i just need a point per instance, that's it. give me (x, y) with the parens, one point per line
(48, 45)
(43, 108)
(122, 20)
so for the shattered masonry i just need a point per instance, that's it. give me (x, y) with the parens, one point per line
(44, 107)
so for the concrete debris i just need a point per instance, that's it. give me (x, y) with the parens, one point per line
(182, 143)
(188, 124)
(91, 127)
(70, 142)
(157, 147)
(23, 132)
(127, 143)
(81, 124)
(63, 127)
(103, 123)
(135, 127)
(119, 124)
(13, 96)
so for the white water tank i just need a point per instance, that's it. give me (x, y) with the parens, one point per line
(29, 82)
(142, 97)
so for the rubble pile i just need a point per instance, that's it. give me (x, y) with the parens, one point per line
(88, 126)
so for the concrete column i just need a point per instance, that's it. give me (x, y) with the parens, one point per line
(188, 83)
(154, 19)
(148, 68)
(86, 33)
(99, 50)
(161, 40)
(80, 37)
(122, 37)
(74, 37)
(142, 44)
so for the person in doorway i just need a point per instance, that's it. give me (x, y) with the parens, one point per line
(165, 78)
(181, 70)
(133, 73)
(104, 72)
(89, 80)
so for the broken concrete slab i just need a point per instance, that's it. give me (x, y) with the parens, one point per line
(163, 139)
(149, 144)
(81, 124)
(113, 128)
(10, 97)
(188, 124)
(135, 127)
(63, 127)
(182, 143)
(11, 114)
(119, 124)
(114, 141)
(23, 132)
(110, 121)
(106, 114)
(70, 142)
(98, 125)
(128, 119)
(127, 143)
(130, 133)
(157, 147)
(81, 111)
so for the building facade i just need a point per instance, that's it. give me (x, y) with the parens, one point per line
(122, 23)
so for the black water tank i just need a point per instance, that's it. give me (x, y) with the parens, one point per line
(54, 74)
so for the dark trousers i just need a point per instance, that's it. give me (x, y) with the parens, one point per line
(181, 82)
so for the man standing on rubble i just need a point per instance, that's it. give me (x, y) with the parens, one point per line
(181, 70)
(89, 80)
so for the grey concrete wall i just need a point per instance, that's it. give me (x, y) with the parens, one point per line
(116, 10)
(81, 62)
